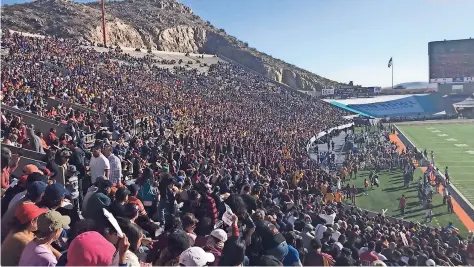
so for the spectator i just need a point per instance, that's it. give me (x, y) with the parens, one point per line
(22, 233)
(316, 258)
(189, 224)
(31, 174)
(115, 166)
(195, 256)
(97, 201)
(38, 251)
(99, 164)
(233, 252)
(9, 164)
(34, 193)
(121, 198)
(91, 190)
(215, 244)
(53, 197)
(132, 198)
(178, 242)
(92, 249)
(36, 144)
(369, 256)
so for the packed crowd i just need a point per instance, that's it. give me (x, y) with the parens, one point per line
(193, 170)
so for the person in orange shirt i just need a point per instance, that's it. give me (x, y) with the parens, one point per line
(43, 142)
(329, 198)
(324, 188)
(338, 196)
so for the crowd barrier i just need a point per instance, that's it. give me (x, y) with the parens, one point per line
(26, 152)
(323, 133)
(41, 124)
(460, 199)
(18, 172)
(54, 102)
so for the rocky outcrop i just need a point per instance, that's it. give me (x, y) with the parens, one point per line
(165, 25)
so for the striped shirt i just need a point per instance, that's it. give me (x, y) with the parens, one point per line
(115, 169)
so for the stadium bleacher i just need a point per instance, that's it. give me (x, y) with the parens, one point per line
(189, 142)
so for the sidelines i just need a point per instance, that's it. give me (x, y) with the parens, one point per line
(458, 210)
(462, 207)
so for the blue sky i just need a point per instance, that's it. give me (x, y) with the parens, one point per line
(345, 39)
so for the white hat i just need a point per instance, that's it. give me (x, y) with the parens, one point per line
(195, 256)
(219, 234)
(430, 262)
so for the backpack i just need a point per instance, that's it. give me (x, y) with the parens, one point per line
(146, 194)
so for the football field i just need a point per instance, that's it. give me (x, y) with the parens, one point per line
(453, 146)
(386, 197)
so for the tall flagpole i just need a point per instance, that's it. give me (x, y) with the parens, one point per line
(103, 23)
(392, 73)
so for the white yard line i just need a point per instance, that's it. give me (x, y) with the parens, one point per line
(440, 173)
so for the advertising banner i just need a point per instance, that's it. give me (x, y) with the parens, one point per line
(327, 91)
(400, 106)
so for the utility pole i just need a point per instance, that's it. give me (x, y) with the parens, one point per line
(103, 22)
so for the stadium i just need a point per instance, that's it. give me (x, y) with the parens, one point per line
(439, 122)
(119, 156)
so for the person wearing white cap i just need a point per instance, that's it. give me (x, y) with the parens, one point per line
(215, 243)
(195, 256)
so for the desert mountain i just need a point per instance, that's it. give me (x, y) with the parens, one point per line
(165, 25)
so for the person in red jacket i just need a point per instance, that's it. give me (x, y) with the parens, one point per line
(366, 258)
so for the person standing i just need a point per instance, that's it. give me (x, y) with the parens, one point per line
(450, 204)
(99, 164)
(77, 159)
(402, 205)
(115, 166)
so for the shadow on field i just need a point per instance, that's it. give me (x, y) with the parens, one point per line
(393, 189)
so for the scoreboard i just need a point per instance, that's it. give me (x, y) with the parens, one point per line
(451, 61)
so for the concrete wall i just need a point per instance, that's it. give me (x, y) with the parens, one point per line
(18, 172)
(54, 102)
(41, 124)
(26, 153)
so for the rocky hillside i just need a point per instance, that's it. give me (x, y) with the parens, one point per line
(162, 24)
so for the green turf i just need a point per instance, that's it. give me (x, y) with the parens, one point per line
(388, 194)
(453, 145)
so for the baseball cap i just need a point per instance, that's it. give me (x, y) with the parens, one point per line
(51, 221)
(72, 168)
(26, 212)
(195, 256)
(34, 190)
(65, 153)
(90, 249)
(122, 192)
(31, 168)
(55, 192)
(219, 234)
(430, 262)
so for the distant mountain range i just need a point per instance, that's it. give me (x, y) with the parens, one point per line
(412, 85)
